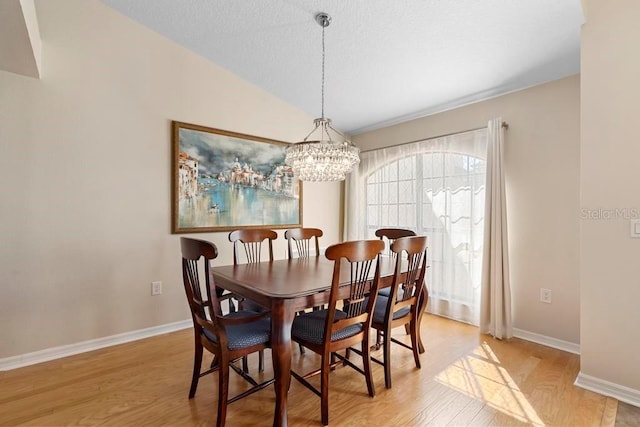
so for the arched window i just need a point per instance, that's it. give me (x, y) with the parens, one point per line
(391, 196)
(436, 188)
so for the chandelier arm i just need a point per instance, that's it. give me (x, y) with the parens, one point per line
(325, 129)
(339, 133)
(310, 133)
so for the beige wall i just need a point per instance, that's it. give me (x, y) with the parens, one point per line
(542, 153)
(85, 170)
(610, 259)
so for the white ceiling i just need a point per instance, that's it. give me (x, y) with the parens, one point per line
(387, 61)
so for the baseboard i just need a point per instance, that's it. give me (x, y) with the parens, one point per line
(606, 388)
(27, 359)
(45, 355)
(548, 341)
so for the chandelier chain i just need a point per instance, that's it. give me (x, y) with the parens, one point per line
(323, 71)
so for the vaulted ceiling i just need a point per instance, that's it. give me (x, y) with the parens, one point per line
(386, 61)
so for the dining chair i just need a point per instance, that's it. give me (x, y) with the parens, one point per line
(228, 337)
(303, 240)
(402, 306)
(332, 329)
(250, 243)
(389, 235)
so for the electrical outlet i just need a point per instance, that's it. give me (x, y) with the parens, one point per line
(545, 295)
(156, 288)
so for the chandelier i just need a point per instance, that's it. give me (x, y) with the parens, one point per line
(325, 158)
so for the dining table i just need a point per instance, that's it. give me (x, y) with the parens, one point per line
(286, 287)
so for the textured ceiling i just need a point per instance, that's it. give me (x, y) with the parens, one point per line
(387, 61)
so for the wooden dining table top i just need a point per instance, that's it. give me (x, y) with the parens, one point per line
(290, 279)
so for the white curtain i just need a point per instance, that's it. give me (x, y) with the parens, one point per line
(436, 188)
(495, 312)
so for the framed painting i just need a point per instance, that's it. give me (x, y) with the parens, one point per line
(225, 180)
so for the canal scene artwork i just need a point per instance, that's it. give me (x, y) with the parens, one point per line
(225, 180)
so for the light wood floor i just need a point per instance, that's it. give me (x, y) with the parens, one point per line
(466, 379)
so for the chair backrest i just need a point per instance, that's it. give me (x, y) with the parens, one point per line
(391, 234)
(251, 241)
(302, 238)
(361, 256)
(407, 292)
(203, 310)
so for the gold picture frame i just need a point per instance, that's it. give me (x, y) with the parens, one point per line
(226, 180)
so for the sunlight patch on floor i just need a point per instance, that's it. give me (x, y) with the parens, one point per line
(481, 376)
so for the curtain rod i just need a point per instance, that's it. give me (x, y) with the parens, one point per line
(505, 125)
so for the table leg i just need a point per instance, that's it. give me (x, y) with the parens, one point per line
(281, 320)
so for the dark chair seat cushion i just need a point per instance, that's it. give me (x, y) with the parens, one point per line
(381, 308)
(247, 335)
(310, 327)
(385, 292)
